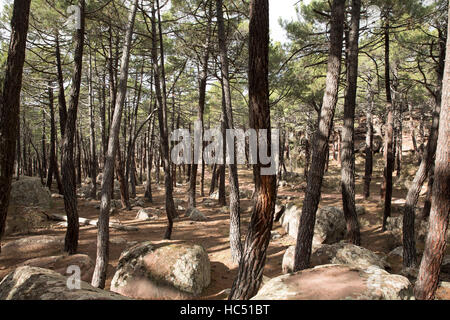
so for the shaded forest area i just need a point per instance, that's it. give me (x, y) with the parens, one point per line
(93, 194)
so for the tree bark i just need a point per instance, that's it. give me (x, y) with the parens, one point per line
(93, 158)
(368, 169)
(320, 144)
(428, 278)
(68, 168)
(10, 103)
(348, 130)
(162, 118)
(99, 276)
(409, 245)
(253, 258)
(235, 215)
(389, 158)
(201, 107)
(53, 166)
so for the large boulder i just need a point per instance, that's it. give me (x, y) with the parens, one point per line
(195, 215)
(176, 271)
(290, 219)
(349, 254)
(33, 247)
(395, 226)
(337, 282)
(30, 192)
(61, 264)
(31, 283)
(87, 190)
(144, 215)
(329, 228)
(338, 253)
(24, 220)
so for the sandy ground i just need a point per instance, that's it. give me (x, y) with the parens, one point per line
(213, 234)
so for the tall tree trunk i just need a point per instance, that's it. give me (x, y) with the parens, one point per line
(348, 130)
(427, 203)
(162, 117)
(235, 215)
(424, 171)
(10, 103)
(68, 168)
(150, 146)
(201, 107)
(428, 278)
(368, 169)
(389, 157)
(409, 246)
(53, 170)
(93, 159)
(61, 91)
(253, 259)
(99, 276)
(320, 144)
(43, 145)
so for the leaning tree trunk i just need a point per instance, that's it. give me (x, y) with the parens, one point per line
(428, 278)
(10, 103)
(235, 219)
(320, 144)
(68, 168)
(348, 130)
(251, 267)
(409, 245)
(99, 276)
(425, 170)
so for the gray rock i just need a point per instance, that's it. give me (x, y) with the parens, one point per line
(195, 215)
(30, 192)
(176, 271)
(349, 254)
(143, 215)
(290, 219)
(33, 247)
(338, 253)
(32, 283)
(62, 262)
(395, 226)
(25, 220)
(330, 226)
(337, 282)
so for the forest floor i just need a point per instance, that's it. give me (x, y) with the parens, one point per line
(213, 233)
